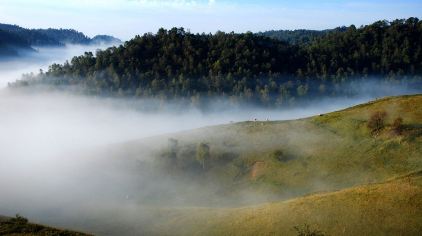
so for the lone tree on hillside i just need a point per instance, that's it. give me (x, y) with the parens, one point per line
(377, 121)
(203, 153)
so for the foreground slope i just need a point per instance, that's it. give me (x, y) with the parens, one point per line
(20, 226)
(390, 208)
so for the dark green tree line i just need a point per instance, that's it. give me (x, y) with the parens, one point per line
(174, 64)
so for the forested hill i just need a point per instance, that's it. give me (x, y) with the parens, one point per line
(31, 37)
(10, 43)
(14, 38)
(52, 37)
(247, 67)
(64, 36)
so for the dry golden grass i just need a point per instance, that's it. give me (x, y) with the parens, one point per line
(390, 208)
(326, 153)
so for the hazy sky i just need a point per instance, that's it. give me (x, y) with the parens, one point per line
(126, 18)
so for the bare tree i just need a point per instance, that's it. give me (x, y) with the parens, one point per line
(377, 121)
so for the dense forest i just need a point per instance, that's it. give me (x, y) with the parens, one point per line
(10, 44)
(14, 38)
(64, 36)
(247, 67)
(300, 36)
(31, 37)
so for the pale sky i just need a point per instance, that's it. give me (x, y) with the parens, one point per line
(127, 18)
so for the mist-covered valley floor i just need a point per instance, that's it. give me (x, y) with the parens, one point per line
(107, 165)
(12, 69)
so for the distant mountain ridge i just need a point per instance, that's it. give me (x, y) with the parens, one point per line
(10, 43)
(14, 38)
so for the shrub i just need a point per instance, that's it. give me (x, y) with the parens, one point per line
(305, 230)
(377, 121)
(19, 219)
(280, 156)
(398, 126)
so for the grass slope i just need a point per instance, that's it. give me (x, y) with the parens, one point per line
(390, 208)
(335, 154)
(292, 158)
(20, 226)
(264, 178)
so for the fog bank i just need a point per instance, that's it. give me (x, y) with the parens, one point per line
(12, 69)
(55, 167)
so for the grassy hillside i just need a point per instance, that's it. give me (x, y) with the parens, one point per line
(20, 226)
(329, 172)
(284, 159)
(393, 207)
(390, 208)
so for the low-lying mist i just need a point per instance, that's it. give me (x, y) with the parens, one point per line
(54, 122)
(55, 166)
(11, 69)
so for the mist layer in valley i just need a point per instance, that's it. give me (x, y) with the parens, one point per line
(62, 160)
(68, 160)
(11, 69)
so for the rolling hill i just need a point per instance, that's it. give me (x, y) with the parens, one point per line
(293, 158)
(330, 174)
